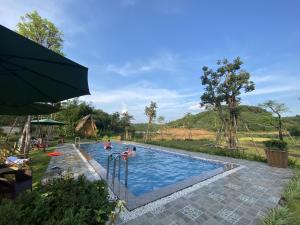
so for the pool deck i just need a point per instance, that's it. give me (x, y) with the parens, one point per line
(71, 161)
(241, 197)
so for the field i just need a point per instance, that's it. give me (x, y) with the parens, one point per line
(202, 140)
(182, 134)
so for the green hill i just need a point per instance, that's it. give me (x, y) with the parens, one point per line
(255, 117)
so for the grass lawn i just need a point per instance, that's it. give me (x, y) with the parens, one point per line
(39, 164)
(293, 203)
(289, 213)
(250, 151)
(205, 146)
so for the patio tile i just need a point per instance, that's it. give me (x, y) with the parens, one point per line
(241, 198)
(229, 216)
(191, 212)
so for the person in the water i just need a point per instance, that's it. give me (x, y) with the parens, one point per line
(108, 145)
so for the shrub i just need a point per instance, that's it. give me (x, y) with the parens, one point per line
(294, 131)
(63, 201)
(276, 145)
(278, 216)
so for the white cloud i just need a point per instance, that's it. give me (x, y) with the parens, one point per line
(124, 108)
(274, 89)
(195, 107)
(164, 62)
(133, 98)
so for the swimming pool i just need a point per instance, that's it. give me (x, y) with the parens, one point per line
(155, 172)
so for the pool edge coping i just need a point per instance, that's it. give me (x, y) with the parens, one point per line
(128, 215)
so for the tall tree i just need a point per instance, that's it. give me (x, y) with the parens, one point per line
(45, 33)
(126, 122)
(161, 121)
(150, 112)
(224, 86)
(41, 31)
(276, 108)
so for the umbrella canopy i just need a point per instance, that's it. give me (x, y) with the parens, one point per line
(30, 109)
(30, 73)
(47, 122)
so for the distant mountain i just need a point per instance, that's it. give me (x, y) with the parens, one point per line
(255, 117)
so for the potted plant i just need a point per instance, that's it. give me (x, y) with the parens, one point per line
(276, 153)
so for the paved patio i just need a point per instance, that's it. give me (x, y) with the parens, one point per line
(70, 161)
(242, 197)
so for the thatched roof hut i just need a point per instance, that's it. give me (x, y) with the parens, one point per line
(86, 127)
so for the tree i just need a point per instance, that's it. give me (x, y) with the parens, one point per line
(224, 86)
(41, 31)
(72, 111)
(276, 108)
(45, 33)
(188, 122)
(150, 112)
(161, 121)
(126, 122)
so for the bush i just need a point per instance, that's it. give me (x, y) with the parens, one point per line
(278, 216)
(289, 213)
(294, 131)
(63, 201)
(276, 145)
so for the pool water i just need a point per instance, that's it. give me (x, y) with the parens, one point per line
(151, 169)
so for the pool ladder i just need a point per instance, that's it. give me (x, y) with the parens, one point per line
(116, 160)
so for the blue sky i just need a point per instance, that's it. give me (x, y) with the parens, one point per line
(138, 50)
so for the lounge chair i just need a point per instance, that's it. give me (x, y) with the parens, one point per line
(21, 183)
(15, 161)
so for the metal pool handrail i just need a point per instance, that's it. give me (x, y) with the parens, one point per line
(116, 156)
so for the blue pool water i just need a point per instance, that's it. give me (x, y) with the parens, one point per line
(152, 169)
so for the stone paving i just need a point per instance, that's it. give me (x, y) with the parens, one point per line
(70, 161)
(241, 198)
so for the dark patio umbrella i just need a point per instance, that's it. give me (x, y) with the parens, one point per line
(30, 109)
(30, 73)
(47, 122)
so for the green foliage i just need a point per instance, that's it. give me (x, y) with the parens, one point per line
(107, 124)
(274, 107)
(289, 214)
(42, 31)
(202, 146)
(276, 145)
(278, 216)
(39, 164)
(292, 190)
(255, 117)
(294, 131)
(7, 120)
(150, 111)
(143, 126)
(64, 201)
(224, 85)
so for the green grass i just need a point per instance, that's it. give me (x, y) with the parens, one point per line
(39, 164)
(204, 146)
(290, 213)
(249, 151)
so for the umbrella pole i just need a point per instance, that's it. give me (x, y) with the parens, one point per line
(28, 137)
